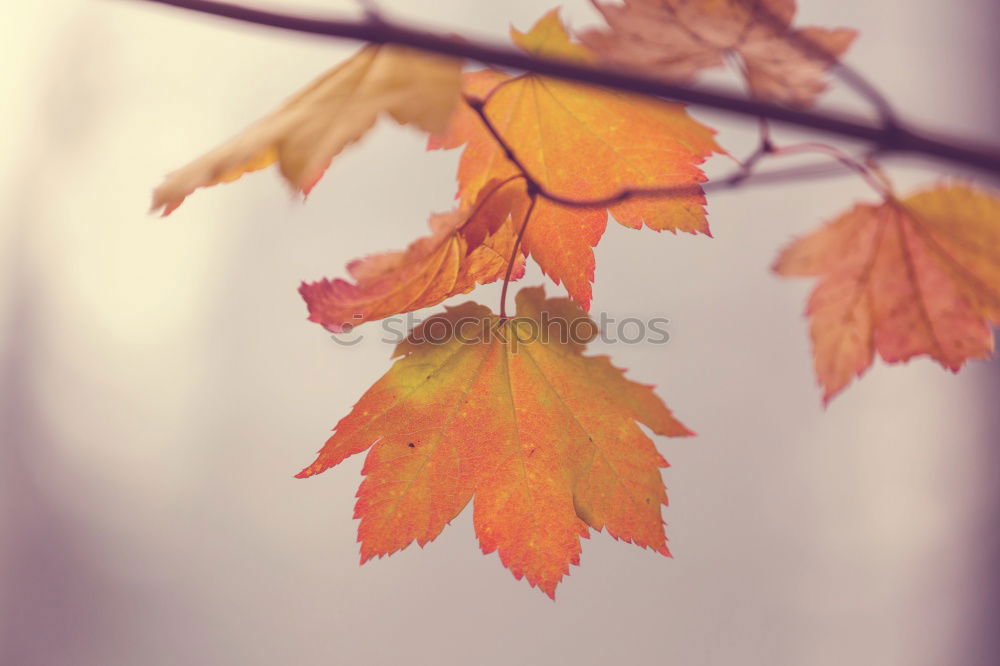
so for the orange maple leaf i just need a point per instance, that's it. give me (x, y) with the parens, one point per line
(317, 123)
(676, 39)
(581, 143)
(465, 248)
(510, 414)
(911, 277)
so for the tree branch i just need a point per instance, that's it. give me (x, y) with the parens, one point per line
(888, 137)
(744, 174)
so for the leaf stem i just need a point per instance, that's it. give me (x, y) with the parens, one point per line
(876, 183)
(481, 201)
(479, 107)
(517, 248)
(765, 146)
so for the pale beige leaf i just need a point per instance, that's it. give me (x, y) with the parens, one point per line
(313, 126)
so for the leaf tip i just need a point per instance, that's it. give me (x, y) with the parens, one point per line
(311, 470)
(830, 392)
(165, 206)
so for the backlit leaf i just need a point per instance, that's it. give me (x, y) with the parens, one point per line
(911, 277)
(508, 414)
(581, 143)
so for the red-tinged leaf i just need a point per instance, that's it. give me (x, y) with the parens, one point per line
(912, 277)
(466, 248)
(676, 39)
(316, 124)
(510, 414)
(581, 143)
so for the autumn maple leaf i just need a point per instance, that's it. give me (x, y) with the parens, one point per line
(313, 126)
(676, 39)
(510, 414)
(466, 248)
(910, 277)
(583, 144)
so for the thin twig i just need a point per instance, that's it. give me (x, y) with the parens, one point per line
(842, 157)
(748, 164)
(743, 174)
(887, 137)
(478, 106)
(783, 175)
(765, 145)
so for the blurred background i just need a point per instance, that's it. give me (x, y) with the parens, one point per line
(160, 383)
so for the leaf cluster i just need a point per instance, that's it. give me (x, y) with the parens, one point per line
(541, 438)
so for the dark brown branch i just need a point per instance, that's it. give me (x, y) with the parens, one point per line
(886, 138)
